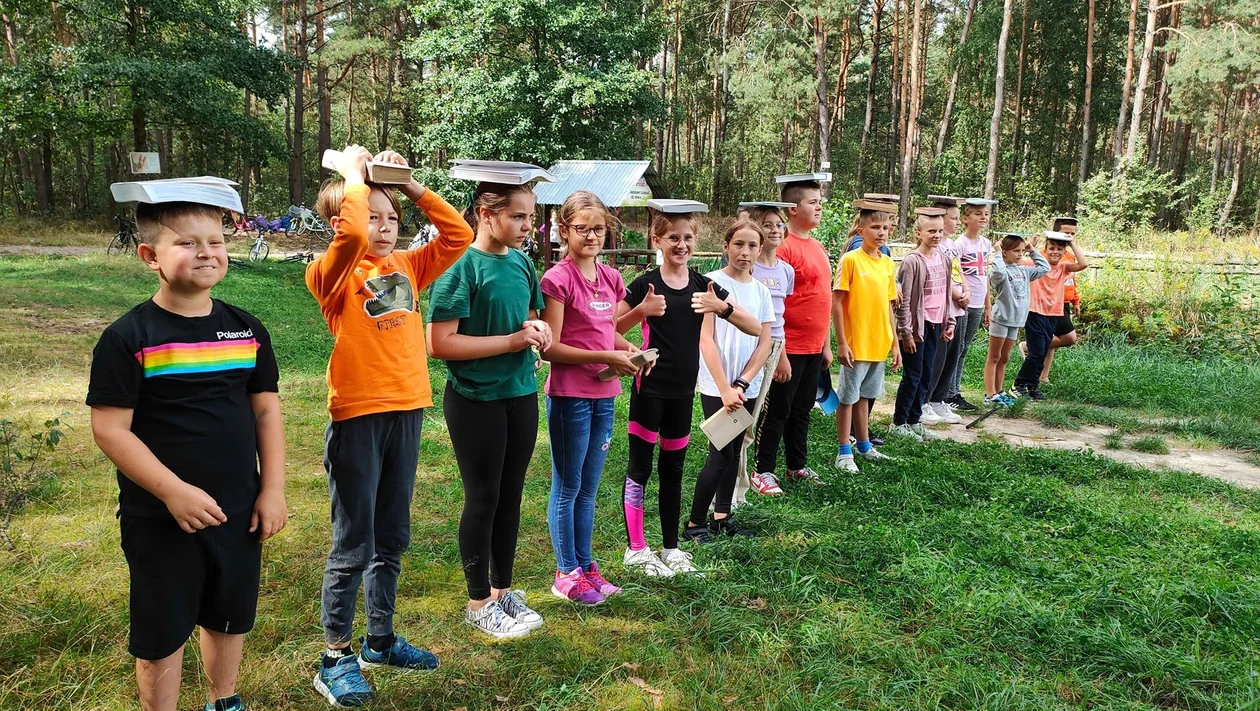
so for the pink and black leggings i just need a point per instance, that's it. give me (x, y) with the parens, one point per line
(656, 421)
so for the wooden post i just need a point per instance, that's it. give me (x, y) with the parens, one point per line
(546, 245)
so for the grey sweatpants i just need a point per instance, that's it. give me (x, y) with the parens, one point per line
(968, 334)
(371, 466)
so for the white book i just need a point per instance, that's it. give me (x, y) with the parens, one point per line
(725, 426)
(640, 359)
(505, 172)
(203, 190)
(803, 177)
(677, 207)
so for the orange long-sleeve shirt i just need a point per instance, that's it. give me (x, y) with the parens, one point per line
(378, 361)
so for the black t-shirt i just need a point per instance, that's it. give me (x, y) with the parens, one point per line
(188, 381)
(676, 335)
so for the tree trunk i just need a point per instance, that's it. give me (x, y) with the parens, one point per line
(1223, 226)
(44, 199)
(823, 109)
(1139, 94)
(297, 188)
(1218, 140)
(139, 125)
(722, 84)
(1162, 100)
(943, 131)
(912, 123)
(1087, 128)
(658, 132)
(876, 14)
(999, 87)
(1019, 95)
(1118, 143)
(323, 97)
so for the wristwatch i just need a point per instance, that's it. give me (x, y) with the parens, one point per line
(741, 384)
(730, 309)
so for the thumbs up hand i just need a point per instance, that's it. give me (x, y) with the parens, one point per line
(708, 302)
(653, 303)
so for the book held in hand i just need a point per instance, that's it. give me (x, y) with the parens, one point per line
(640, 359)
(381, 172)
(203, 190)
(725, 426)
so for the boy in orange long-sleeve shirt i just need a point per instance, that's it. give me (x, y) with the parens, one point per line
(378, 387)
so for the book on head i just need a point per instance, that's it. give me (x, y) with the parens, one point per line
(380, 172)
(203, 190)
(504, 172)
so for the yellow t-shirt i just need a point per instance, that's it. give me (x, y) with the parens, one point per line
(872, 285)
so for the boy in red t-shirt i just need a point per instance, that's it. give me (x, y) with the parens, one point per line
(806, 330)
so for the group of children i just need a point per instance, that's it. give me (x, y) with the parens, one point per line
(184, 400)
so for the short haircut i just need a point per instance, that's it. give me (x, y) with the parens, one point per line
(1061, 222)
(333, 191)
(661, 223)
(795, 192)
(1010, 242)
(744, 225)
(151, 218)
(494, 197)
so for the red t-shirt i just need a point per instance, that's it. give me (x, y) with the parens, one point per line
(807, 311)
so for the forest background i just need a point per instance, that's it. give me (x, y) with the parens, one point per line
(1135, 113)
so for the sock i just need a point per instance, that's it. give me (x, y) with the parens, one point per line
(864, 446)
(226, 702)
(667, 552)
(632, 502)
(332, 656)
(846, 450)
(380, 643)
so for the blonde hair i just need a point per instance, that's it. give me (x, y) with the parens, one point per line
(662, 222)
(494, 197)
(582, 201)
(863, 218)
(966, 209)
(757, 214)
(744, 225)
(333, 192)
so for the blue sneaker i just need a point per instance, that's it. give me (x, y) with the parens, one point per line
(229, 703)
(343, 684)
(401, 655)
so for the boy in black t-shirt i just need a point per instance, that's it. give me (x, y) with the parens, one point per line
(184, 401)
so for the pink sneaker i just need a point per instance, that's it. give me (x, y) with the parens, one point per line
(766, 484)
(603, 587)
(576, 588)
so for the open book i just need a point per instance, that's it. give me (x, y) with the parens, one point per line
(203, 190)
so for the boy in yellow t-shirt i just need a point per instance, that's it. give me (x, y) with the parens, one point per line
(861, 309)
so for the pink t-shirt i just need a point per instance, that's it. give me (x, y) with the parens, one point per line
(935, 288)
(590, 323)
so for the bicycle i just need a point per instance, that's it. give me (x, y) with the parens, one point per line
(235, 225)
(260, 249)
(125, 240)
(302, 221)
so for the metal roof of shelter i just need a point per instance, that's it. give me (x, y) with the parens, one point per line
(619, 183)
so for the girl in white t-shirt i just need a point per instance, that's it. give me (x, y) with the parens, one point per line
(730, 377)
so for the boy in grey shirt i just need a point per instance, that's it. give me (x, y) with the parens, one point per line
(1008, 284)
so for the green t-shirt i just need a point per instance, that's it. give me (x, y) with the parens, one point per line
(490, 295)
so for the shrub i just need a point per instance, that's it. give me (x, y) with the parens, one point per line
(21, 454)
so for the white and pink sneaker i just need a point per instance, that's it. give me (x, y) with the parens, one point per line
(766, 484)
(576, 588)
(597, 582)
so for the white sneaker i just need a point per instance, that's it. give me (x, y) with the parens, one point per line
(513, 604)
(945, 413)
(679, 561)
(844, 462)
(875, 455)
(924, 433)
(492, 620)
(904, 431)
(647, 560)
(928, 416)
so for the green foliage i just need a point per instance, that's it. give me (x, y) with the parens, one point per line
(1133, 201)
(1114, 440)
(1151, 444)
(533, 80)
(22, 452)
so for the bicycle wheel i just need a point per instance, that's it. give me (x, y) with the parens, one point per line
(117, 245)
(259, 251)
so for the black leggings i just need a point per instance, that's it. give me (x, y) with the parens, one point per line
(785, 416)
(654, 421)
(716, 481)
(493, 443)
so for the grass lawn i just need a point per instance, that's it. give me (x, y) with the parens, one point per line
(959, 576)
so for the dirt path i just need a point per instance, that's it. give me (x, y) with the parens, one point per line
(1223, 464)
(32, 249)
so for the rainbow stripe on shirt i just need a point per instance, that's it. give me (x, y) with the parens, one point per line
(206, 357)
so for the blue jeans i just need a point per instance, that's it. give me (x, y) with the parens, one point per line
(580, 430)
(1038, 332)
(916, 372)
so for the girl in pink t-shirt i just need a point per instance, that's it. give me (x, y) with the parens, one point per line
(580, 306)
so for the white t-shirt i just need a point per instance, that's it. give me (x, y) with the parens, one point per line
(781, 281)
(735, 347)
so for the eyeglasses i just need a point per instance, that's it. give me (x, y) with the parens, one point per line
(678, 239)
(584, 230)
(773, 225)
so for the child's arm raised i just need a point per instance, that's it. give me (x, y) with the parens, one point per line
(1081, 263)
(192, 508)
(1040, 266)
(326, 275)
(454, 235)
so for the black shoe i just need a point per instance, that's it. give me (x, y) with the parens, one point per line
(697, 534)
(1035, 393)
(876, 441)
(962, 405)
(727, 527)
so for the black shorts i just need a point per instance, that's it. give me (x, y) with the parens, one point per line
(1063, 324)
(184, 580)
